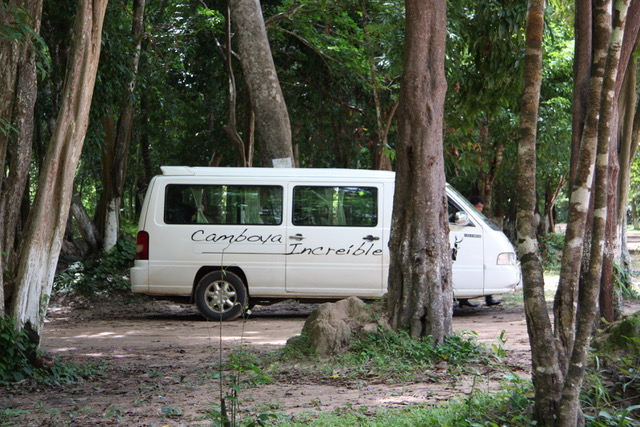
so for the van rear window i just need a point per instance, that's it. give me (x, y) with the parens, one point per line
(335, 206)
(223, 204)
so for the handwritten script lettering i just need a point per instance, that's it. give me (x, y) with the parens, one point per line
(201, 236)
(363, 249)
(299, 248)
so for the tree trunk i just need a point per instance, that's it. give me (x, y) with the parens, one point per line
(40, 247)
(627, 139)
(231, 127)
(588, 299)
(566, 298)
(88, 230)
(272, 119)
(117, 156)
(547, 375)
(420, 287)
(19, 89)
(582, 68)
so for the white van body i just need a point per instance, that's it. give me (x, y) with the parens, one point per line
(230, 237)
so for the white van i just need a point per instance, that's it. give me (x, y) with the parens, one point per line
(226, 238)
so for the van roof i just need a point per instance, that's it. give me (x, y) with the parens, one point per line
(275, 172)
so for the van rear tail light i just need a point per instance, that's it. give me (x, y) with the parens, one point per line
(142, 245)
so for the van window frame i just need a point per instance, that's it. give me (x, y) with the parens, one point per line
(335, 207)
(265, 207)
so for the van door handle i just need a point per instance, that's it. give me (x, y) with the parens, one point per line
(297, 237)
(371, 238)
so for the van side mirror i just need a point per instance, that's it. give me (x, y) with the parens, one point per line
(461, 218)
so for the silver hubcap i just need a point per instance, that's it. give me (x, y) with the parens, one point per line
(221, 296)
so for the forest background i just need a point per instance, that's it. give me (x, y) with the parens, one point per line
(339, 66)
(169, 91)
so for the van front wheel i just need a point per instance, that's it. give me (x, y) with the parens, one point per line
(221, 295)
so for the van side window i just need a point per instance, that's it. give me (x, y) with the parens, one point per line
(335, 206)
(223, 204)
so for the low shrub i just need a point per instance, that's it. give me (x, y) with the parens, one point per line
(20, 359)
(18, 353)
(551, 251)
(107, 274)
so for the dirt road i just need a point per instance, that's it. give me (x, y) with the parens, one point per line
(160, 359)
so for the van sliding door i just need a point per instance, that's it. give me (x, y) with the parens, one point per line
(335, 240)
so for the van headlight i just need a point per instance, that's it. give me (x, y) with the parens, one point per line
(507, 258)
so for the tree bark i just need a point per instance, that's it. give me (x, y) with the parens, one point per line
(19, 90)
(231, 127)
(627, 144)
(547, 375)
(272, 118)
(582, 68)
(44, 232)
(88, 230)
(588, 297)
(566, 298)
(117, 155)
(420, 288)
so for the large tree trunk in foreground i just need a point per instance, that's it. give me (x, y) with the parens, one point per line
(420, 288)
(38, 254)
(18, 89)
(272, 118)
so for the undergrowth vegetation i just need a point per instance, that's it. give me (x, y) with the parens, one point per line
(103, 275)
(508, 406)
(22, 360)
(551, 246)
(610, 396)
(390, 355)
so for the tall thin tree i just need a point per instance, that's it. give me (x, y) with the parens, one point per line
(271, 116)
(543, 350)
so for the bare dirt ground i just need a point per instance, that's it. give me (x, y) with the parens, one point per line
(159, 362)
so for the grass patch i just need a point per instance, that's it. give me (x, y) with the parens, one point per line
(388, 356)
(509, 406)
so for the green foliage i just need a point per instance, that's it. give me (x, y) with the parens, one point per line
(17, 352)
(393, 355)
(551, 247)
(624, 283)
(331, 57)
(611, 396)
(484, 68)
(19, 359)
(241, 370)
(510, 406)
(396, 354)
(104, 275)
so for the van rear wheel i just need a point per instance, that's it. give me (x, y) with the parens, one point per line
(221, 295)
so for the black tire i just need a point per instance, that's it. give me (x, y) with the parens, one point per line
(221, 295)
